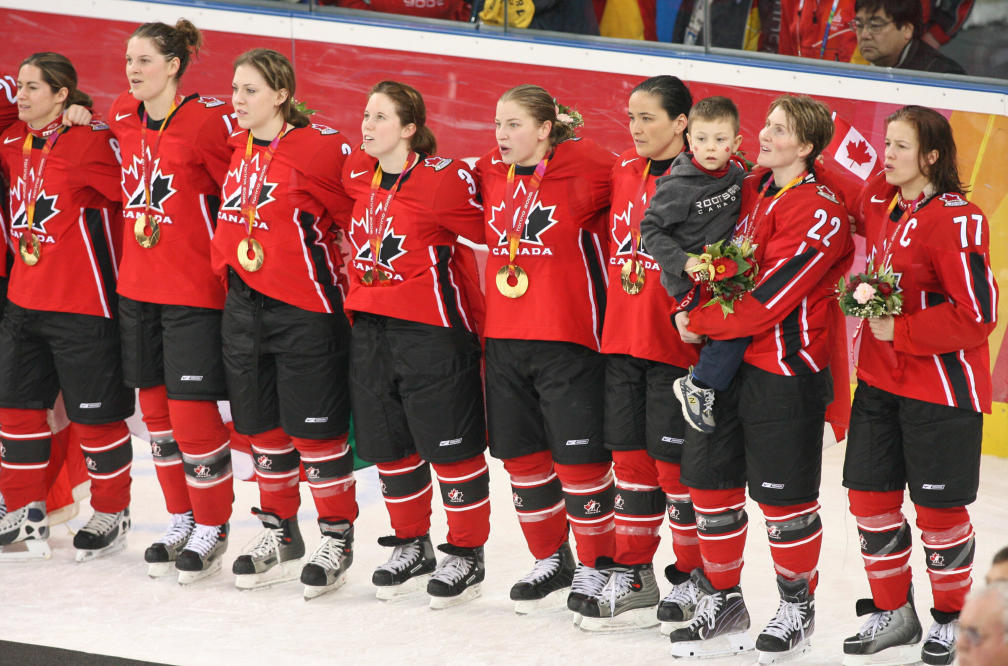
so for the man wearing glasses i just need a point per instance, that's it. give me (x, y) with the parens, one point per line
(889, 35)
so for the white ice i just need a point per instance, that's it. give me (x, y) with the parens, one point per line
(111, 607)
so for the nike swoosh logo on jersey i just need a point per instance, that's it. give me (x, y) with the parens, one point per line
(494, 160)
(6, 141)
(354, 174)
(874, 200)
(120, 116)
(626, 162)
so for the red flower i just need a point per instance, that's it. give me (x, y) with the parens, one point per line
(885, 289)
(723, 268)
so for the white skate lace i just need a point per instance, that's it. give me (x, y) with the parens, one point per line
(12, 520)
(267, 543)
(179, 531)
(3, 507)
(786, 622)
(588, 581)
(706, 611)
(683, 594)
(102, 523)
(403, 556)
(942, 633)
(203, 539)
(876, 623)
(617, 586)
(543, 569)
(452, 569)
(328, 553)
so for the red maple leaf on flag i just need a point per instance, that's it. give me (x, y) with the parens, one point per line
(857, 152)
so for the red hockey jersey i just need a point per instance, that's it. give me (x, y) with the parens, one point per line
(433, 277)
(638, 325)
(803, 246)
(562, 246)
(941, 256)
(300, 204)
(804, 24)
(185, 175)
(76, 215)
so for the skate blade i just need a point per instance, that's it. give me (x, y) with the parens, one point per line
(555, 600)
(468, 594)
(783, 657)
(281, 573)
(33, 549)
(313, 591)
(578, 619)
(189, 577)
(898, 655)
(409, 587)
(667, 627)
(631, 620)
(117, 546)
(720, 646)
(160, 569)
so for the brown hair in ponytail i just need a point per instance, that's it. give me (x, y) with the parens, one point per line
(58, 72)
(278, 73)
(410, 108)
(181, 41)
(542, 107)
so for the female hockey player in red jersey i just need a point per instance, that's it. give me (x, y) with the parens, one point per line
(545, 197)
(286, 339)
(415, 382)
(645, 355)
(58, 331)
(174, 158)
(924, 384)
(770, 421)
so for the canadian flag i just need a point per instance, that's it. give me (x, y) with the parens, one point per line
(851, 150)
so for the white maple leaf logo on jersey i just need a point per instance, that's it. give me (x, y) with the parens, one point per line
(391, 247)
(45, 209)
(622, 235)
(540, 218)
(232, 187)
(160, 185)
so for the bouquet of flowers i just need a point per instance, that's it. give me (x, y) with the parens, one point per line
(870, 294)
(568, 115)
(729, 269)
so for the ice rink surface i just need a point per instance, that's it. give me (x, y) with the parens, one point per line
(110, 606)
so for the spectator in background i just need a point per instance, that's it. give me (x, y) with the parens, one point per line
(999, 567)
(456, 10)
(575, 16)
(889, 35)
(983, 629)
(942, 19)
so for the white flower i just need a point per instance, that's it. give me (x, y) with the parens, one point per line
(565, 118)
(863, 293)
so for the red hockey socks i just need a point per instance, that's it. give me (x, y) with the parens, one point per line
(722, 524)
(164, 449)
(885, 544)
(681, 517)
(27, 445)
(590, 495)
(949, 545)
(276, 464)
(795, 534)
(539, 502)
(206, 458)
(465, 491)
(639, 507)
(108, 456)
(407, 489)
(328, 468)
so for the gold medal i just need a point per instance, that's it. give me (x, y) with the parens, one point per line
(632, 277)
(511, 284)
(251, 254)
(29, 248)
(369, 276)
(140, 231)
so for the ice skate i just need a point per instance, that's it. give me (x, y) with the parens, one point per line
(104, 534)
(627, 601)
(326, 568)
(788, 635)
(203, 554)
(697, 403)
(457, 578)
(24, 533)
(408, 568)
(587, 583)
(275, 556)
(546, 586)
(161, 555)
(720, 625)
(676, 609)
(940, 643)
(888, 638)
